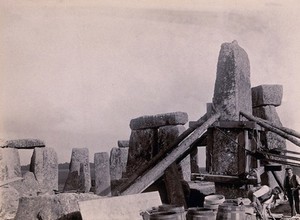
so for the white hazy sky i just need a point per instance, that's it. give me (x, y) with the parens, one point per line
(75, 73)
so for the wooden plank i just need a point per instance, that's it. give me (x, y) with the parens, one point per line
(285, 129)
(119, 207)
(271, 128)
(237, 124)
(151, 175)
(223, 179)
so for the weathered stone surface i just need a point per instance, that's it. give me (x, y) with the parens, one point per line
(166, 137)
(29, 186)
(44, 165)
(155, 121)
(267, 95)
(142, 145)
(102, 174)
(123, 143)
(62, 206)
(9, 164)
(268, 138)
(22, 143)
(118, 162)
(232, 92)
(9, 201)
(120, 207)
(79, 178)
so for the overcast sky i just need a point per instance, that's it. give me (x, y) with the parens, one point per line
(75, 74)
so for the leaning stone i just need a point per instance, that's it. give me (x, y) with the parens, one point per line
(29, 186)
(267, 95)
(63, 206)
(9, 164)
(155, 121)
(232, 92)
(123, 143)
(22, 143)
(44, 165)
(142, 145)
(102, 174)
(79, 178)
(9, 202)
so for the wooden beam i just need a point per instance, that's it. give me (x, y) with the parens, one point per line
(151, 175)
(223, 179)
(271, 128)
(284, 129)
(237, 124)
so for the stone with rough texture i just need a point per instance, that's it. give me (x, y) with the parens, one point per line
(22, 143)
(9, 202)
(267, 95)
(142, 145)
(79, 178)
(9, 164)
(63, 206)
(155, 121)
(118, 161)
(166, 137)
(102, 174)
(270, 140)
(44, 165)
(123, 143)
(232, 92)
(29, 186)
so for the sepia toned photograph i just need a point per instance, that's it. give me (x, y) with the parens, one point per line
(149, 110)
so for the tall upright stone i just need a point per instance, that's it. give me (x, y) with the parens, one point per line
(44, 165)
(118, 161)
(79, 178)
(9, 164)
(102, 174)
(232, 92)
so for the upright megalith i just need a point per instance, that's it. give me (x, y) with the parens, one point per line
(79, 178)
(102, 174)
(118, 161)
(9, 164)
(232, 92)
(44, 165)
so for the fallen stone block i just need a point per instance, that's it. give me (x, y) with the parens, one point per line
(79, 178)
(9, 202)
(123, 143)
(9, 164)
(267, 95)
(120, 207)
(232, 92)
(102, 174)
(22, 143)
(63, 206)
(44, 165)
(155, 121)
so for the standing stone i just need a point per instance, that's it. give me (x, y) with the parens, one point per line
(155, 121)
(9, 164)
(79, 178)
(102, 174)
(166, 137)
(44, 165)
(267, 95)
(142, 145)
(9, 202)
(118, 162)
(29, 186)
(232, 92)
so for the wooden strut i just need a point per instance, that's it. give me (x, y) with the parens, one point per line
(157, 157)
(284, 129)
(262, 123)
(152, 174)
